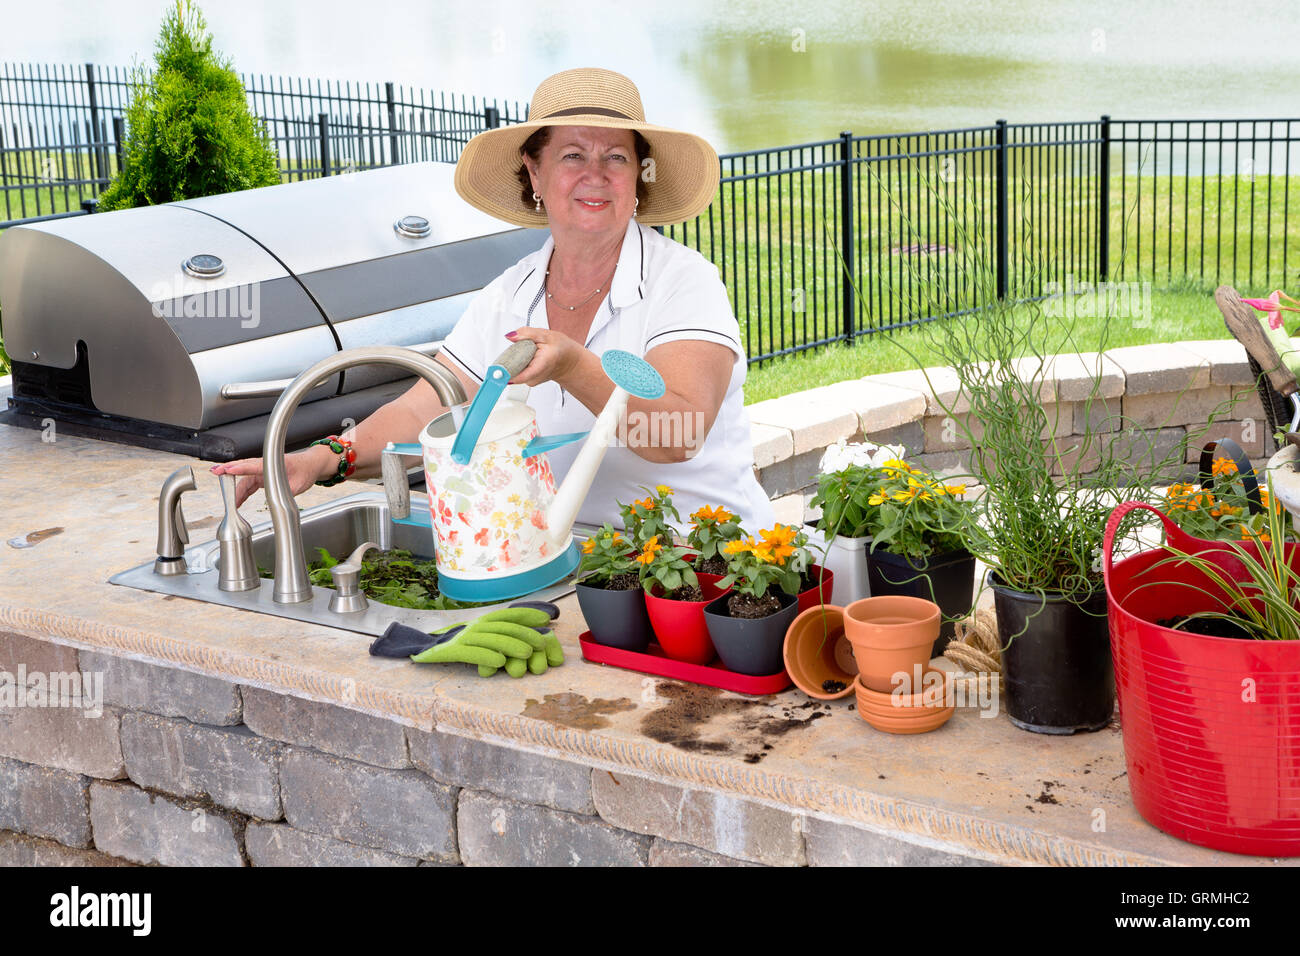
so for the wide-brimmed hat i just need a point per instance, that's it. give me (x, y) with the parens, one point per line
(685, 170)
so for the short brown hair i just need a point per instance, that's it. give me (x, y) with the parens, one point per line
(534, 144)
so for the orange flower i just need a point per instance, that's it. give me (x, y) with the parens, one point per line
(647, 555)
(1223, 466)
(647, 503)
(589, 546)
(720, 515)
(777, 541)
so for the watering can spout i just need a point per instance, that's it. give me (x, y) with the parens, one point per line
(631, 375)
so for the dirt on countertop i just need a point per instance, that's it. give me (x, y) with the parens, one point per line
(702, 719)
(576, 711)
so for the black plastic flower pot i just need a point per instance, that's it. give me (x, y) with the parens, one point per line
(947, 579)
(1056, 672)
(615, 618)
(750, 645)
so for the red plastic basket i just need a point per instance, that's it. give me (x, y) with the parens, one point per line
(1211, 725)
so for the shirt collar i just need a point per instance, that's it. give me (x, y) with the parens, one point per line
(628, 287)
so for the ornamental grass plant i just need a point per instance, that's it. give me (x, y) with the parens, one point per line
(1045, 493)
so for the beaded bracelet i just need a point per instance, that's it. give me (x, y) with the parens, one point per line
(347, 459)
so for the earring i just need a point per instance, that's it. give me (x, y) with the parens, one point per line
(635, 202)
(537, 202)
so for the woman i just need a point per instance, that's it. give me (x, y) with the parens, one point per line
(587, 166)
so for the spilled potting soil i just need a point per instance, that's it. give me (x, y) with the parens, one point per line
(576, 711)
(740, 726)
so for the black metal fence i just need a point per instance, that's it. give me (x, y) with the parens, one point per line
(61, 130)
(817, 243)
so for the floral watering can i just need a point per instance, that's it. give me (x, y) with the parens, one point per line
(501, 528)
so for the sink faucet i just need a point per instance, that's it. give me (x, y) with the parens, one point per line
(292, 586)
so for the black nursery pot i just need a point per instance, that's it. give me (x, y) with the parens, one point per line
(750, 645)
(947, 579)
(615, 618)
(1056, 675)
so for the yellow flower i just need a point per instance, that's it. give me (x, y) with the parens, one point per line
(914, 490)
(1223, 466)
(955, 489)
(663, 489)
(739, 546)
(879, 498)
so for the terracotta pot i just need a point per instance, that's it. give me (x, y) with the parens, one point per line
(615, 618)
(820, 592)
(817, 652)
(947, 579)
(890, 635)
(679, 625)
(750, 645)
(916, 713)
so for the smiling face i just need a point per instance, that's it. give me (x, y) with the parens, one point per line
(586, 176)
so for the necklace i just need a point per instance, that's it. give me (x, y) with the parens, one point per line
(571, 308)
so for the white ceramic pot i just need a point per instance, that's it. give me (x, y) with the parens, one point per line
(847, 558)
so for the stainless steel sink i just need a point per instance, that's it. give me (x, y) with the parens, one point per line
(339, 526)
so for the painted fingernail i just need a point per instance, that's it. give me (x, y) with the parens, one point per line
(511, 335)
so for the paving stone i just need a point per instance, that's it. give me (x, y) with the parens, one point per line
(667, 853)
(401, 811)
(878, 405)
(1099, 415)
(148, 828)
(164, 690)
(325, 727)
(277, 844)
(234, 767)
(1166, 409)
(1076, 377)
(954, 432)
(814, 421)
(1160, 368)
(18, 849)
(946, 464)
(42, 656)
(717, 822)
(771, 444)
(837, 844)
(1252, 436)
(527, 777)
(791, 475)
(495, 831)
(911, 435)
(1227, 358)
(43, 802)
(63, 738)
(939, 386)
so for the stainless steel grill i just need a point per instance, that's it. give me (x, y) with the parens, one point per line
(145, 325)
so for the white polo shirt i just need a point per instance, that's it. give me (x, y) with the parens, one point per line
(662, 292)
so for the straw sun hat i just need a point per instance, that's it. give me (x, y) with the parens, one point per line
(685, 169)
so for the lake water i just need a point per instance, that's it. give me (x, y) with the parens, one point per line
(749, 73)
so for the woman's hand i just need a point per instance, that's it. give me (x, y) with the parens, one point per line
(558, 356)
(304, 468)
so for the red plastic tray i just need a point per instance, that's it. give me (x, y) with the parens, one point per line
(654, 661)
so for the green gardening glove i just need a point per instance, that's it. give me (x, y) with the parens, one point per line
(512, 638)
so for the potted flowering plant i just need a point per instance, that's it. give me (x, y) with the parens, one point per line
(675, 600)
(711, 528)
(647, 517)
(1234, 506)
(844, 486)
(748, 625)
(609, 592)
(918, 545)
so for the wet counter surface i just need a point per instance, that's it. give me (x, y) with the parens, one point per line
(78, 511)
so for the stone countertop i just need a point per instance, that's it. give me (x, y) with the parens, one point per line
(978, 786)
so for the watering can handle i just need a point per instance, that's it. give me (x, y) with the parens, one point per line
(1175, 536)
(507, 365)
